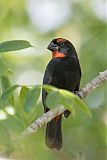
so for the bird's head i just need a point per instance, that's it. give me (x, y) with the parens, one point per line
(61, 48)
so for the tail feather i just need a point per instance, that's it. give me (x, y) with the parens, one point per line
(53, 136)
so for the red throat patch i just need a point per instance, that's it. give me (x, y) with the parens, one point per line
(57, 54)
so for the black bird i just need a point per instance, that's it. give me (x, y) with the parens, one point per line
(64, 72)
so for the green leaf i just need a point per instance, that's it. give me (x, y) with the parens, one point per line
(48, 88)
(4, 136)
(54, 99)
(7, 94)
(14, 45)
(23, 94)
(4, 71)
(31, 98)
(67, 99)
(5, 82)
(71, 98)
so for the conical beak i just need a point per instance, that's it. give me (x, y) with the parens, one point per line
(52, 47)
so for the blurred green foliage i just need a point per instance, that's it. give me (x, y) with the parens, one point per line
(88, 32)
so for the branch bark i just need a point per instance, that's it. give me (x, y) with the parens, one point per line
(47, 117)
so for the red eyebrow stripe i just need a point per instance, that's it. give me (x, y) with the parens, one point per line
(60, 40)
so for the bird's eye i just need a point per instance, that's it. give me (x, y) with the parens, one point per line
(62, 44)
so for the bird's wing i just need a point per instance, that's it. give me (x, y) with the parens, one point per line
(46, 80)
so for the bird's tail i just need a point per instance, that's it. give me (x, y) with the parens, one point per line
(53, 138)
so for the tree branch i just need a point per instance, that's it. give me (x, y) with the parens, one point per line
(91, 86)
(47, 117)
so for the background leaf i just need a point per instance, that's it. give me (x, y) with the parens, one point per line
(23, 93)
(5, 83)
(7, 94)
(31, 99)
(4, 71)
(14, 45)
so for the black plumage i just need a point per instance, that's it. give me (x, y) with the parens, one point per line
(63, 71)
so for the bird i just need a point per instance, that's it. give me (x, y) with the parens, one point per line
(64, 72)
